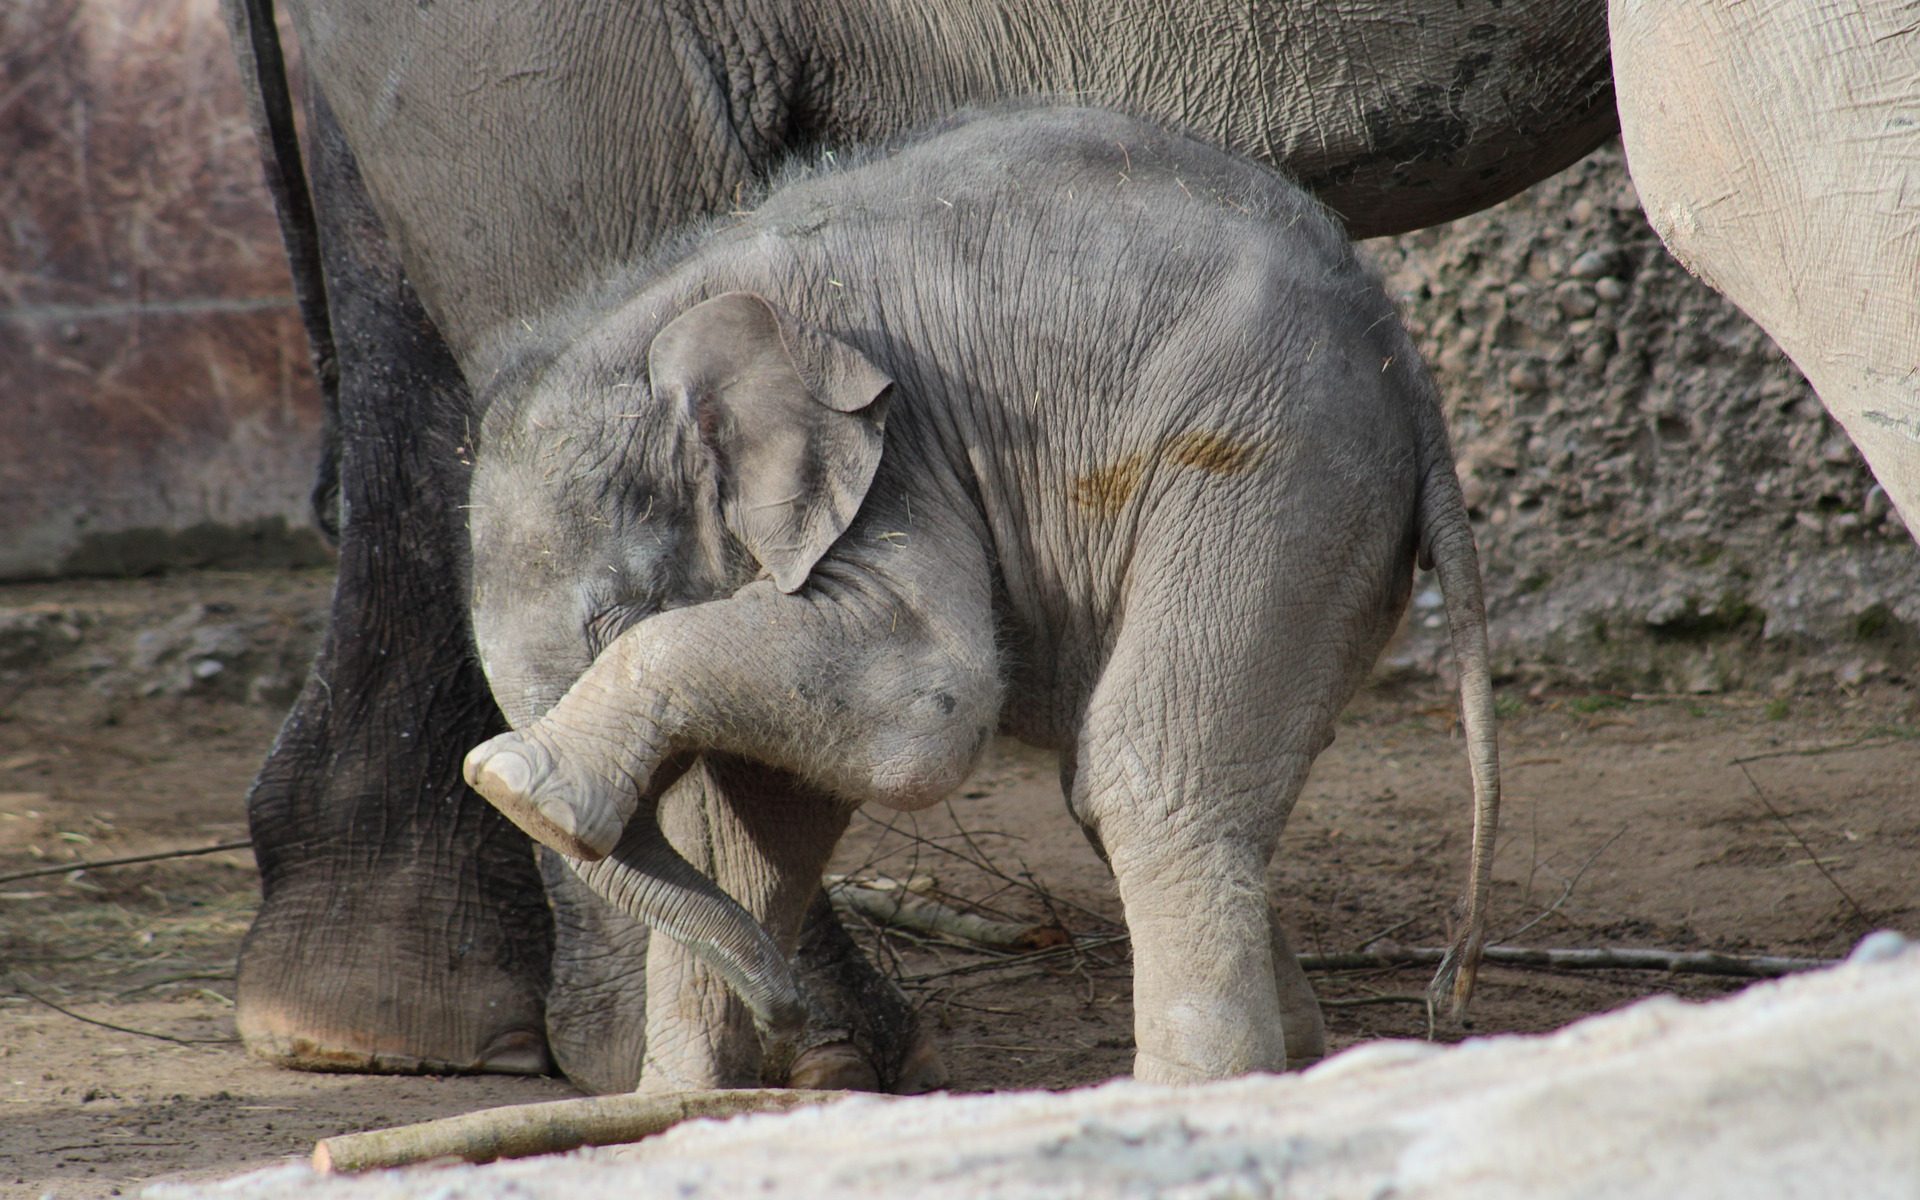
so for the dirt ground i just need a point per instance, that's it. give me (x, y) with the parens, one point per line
(1630, 821)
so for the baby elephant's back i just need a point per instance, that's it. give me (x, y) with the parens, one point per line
(1122, 316)
(1155, 276)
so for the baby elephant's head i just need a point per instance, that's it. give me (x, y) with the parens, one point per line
(653, 465)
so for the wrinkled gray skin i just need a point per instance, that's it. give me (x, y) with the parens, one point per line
(477, 162)
(1053, 423)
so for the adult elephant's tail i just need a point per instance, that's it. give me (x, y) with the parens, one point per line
(1446, 545)
(263, 77)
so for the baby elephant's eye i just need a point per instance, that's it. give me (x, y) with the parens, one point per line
(609, 623)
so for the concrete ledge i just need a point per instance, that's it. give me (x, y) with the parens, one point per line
(1804, 1087)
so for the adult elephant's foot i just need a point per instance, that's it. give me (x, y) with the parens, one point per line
(402, 927)
(861, 1034)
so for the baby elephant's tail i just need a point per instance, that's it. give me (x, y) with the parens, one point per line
(1446, 545)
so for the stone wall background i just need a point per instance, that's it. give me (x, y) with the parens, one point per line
(156, 400)
(1662, 503)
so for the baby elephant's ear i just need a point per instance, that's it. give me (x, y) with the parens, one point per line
(792, 418)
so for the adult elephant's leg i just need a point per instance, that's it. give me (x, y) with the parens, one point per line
(1775, 149)
(402, 925)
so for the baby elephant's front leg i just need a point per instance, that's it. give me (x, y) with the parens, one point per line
(862, 702)
(572, 781)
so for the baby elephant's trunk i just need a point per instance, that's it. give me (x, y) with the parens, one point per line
(646, 878)
(1446, 543)
(611, 838)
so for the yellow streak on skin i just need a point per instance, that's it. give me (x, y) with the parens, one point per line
(1215, 454)
(1106, 491)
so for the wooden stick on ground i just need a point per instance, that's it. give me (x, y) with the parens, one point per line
(903, 909)
(887, 903)
(523, 1130)
(1696, 962)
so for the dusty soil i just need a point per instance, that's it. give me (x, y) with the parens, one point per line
(132, 715)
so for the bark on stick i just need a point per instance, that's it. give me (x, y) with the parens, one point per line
(523, 1130)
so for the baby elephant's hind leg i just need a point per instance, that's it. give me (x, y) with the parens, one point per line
(1186, 768)
(1303, 1031)
(1299, 1009)
(1222, 686)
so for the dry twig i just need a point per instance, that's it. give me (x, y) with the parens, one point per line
(1073, 948)
(130, 859)
(1422, 1000)
(146, 1033)
(1566, 893)
(1869, 742)
(524, 1130)
(1793, 833)
(1686, 962)
(900, 908)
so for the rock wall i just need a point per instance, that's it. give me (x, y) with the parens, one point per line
(1661, 501)
(156, 401)
(1801, 1088)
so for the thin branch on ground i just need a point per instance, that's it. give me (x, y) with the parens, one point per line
(1079, 945)
(1688, 962)
(1566, 892)
(896, 906)
(1388, 932)
(524, 1130)
(949, 1002)
(1859, 743)
(988, 866)
(892, 909)
(1364, 1001)
(1777, 815)
(129, 860)
(17, 986)
(191, 976)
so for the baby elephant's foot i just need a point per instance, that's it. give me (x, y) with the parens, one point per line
(850, 1066)
(863, 1032)
(520, 777)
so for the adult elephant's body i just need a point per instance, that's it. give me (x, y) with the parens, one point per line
(514, 152)
(1784, 169)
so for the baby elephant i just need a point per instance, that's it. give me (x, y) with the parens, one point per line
(1052, 422)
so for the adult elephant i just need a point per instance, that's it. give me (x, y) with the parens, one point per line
(1784, 169)
(474, 165)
